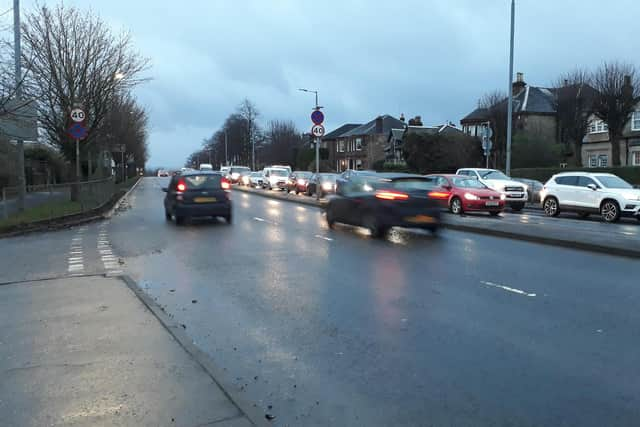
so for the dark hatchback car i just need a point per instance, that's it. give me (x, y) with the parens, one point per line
(381, 201)
(198, 194)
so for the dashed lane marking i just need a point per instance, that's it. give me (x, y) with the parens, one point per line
(508, 289)
(328, 239)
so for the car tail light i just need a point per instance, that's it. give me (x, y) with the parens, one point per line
(181, 186)
(391, 195)
(439, 195)
(225, 184)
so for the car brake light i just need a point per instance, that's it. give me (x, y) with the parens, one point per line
(391, 195)
(181, 186)
(439, 195)
(225, 184)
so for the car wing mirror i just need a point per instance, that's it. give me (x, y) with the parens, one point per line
(592, 186)
(165, 189)
(446, 187)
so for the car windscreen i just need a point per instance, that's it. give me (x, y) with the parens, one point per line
(467, 183)
(408, 184)
(612, 181)
(493, 175)
(328, 178)
(279, 172)
(240, 170)
(202, 182)
(304, 174)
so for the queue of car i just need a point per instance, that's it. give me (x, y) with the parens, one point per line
(379, 201)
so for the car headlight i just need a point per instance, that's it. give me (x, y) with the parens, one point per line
(503, 197)
(235, 175)
(301, 181)
(470, 196)
(327, 186)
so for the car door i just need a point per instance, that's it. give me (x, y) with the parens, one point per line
(565, 191)
(586, 197)
(441, 190)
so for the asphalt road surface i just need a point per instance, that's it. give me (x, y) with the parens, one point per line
(329, 327)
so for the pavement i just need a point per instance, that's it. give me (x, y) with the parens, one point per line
(569, 230)
(321, 327)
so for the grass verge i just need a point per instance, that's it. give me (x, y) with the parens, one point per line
(42, 212)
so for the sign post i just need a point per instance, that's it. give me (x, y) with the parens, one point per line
(78, 131)
(487, 144)
(318, 132)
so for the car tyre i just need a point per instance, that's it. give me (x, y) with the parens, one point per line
(167, 215)
(517, 207)
(229, 219)
(371, 224)
(179, 220)
(610, 211)
(551, 206)
(456, 206)
(494, 213)
(331, 219)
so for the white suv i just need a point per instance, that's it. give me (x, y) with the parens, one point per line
(515, 192)
(587, 193)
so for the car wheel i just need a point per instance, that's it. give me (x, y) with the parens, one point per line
(167, 215)
(229, 219)
(517, 207)
(550, 206)
(610, 211)
(296, 191)
(456, 206)
(179, 220)
(371, 224)
(494, 213)
(331, 219)
(584, 215)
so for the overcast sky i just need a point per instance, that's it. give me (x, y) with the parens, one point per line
(432, 58)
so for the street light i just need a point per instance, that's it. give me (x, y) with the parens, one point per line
(317, 144)
(510, 92)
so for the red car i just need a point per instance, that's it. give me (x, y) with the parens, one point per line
(462, 194)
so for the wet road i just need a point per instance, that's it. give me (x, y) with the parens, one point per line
(329, 327)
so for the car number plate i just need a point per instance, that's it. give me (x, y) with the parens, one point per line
(205, 199)
(420, 219)
(492, 204)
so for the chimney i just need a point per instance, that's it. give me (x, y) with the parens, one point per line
(379, 124)
(519, 84)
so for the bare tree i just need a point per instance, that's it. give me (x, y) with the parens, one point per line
(618, 94)
(282, 143)
(74, 58)
(250, 113)
(573, 101)
(495, 104)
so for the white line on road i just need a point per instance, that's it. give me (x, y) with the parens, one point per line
(506, 288)
(328, 239)
(75, 258)
(259, 219)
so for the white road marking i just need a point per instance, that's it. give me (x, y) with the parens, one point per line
(75, 258)
(328, 239)
(259, 219)
(506, 288)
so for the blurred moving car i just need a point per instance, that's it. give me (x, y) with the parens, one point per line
(379, 202)
(255, 179)
(206, 167)
(590, 193)
(275, 178)
(533, 189)
(163, 173)
(245, 178)
(288, 168)
(299, 181)
(325, 183)
(515, 192)
(197, 194)
(460, 194)
(235, 172)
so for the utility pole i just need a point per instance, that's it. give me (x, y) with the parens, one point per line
(510, 91)
(18, 77)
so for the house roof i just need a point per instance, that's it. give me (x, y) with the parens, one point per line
(388, 123)
(341, 130)
(396, 134)
(479, 114)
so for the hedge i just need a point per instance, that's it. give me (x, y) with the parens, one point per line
(628, 173)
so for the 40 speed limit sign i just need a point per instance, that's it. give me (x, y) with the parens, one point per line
(77, 115)
(317, 131)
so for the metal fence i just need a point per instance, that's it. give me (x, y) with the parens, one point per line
(50, 201)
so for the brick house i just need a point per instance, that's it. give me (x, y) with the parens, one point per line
(360, 147)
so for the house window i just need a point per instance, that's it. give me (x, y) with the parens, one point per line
(598, 126)
(341, 146)
(603, 161)
(358, 144)
(635, 120)
(635, 158)
(358, 164)
(593, 161)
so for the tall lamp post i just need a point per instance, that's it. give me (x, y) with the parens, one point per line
(317, 141)
(510, 91)
(18, 78)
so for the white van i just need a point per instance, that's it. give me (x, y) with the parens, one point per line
(206, 167)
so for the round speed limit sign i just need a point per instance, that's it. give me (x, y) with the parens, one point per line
(317, 131)
(77, 115)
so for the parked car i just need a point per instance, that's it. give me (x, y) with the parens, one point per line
(533, 189)
(325, 181)
(288, 168)
(299, 181)
(206, 167)
(460, 194)
(589, 193)
(515, 192)
(245, 178)
(379, 202)
(255, 179)
(275, 178)
(197, 194)
(235, 172)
